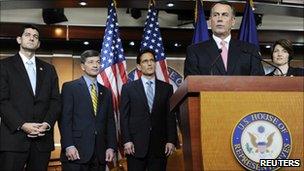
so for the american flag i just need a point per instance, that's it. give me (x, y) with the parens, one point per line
(152, 40)
(113, 72)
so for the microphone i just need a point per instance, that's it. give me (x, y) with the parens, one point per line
(260, 59)
(215, 60)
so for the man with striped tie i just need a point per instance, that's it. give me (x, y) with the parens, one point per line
(148, 128)
(87, 127)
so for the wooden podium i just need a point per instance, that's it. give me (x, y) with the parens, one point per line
(211, 106)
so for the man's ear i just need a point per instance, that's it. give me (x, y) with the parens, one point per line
(233, 21)
(38, 46)
(82, 66)
(138, 67)
(18, 39)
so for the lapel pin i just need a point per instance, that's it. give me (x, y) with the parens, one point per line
(41, 69)
(100, 93)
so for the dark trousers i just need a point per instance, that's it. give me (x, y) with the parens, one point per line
(32, 160)
(92, 165)
(149, 163)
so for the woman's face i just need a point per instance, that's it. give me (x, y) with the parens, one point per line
(280, 55)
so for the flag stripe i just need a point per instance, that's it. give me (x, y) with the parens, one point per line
(113, 72)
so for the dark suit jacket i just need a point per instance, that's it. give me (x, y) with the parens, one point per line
(140, 126)
(19, 105)
(204, 59)
(80, 127)
(291, 72)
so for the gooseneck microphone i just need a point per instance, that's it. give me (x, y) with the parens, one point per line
(260, 59)
(215, 60)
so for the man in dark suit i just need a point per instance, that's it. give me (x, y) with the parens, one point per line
(87, 127)
(148, 128)
(234, 57)
(29, 106)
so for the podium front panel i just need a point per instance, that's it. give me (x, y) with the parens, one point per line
(222, 111)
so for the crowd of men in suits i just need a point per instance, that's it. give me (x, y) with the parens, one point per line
(30, 103)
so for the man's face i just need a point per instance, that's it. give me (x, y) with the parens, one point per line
(280, 55)
(222, 20)
(29, 40)
(91, 66)
(147, 64)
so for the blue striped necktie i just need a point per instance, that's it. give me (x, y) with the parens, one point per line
(150, 94)
(32, 74)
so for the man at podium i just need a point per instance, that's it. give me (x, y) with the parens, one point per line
(222, 55)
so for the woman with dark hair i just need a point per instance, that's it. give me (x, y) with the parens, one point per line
(282, 52)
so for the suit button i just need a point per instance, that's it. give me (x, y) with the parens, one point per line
(95, 132)
(150, 128)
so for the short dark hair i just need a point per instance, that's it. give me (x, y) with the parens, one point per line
(29, 26)
(88, 53)
(286, 44)
(223, 3)
(143, 52)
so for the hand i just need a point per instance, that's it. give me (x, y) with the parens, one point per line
(44, 127)
(109, 155)
(32, 129)
(129, 148)
(170, 148)
(72, 153)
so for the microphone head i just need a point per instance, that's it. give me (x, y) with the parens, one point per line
(219, 50)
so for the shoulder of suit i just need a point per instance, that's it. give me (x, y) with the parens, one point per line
(72, 83)
(131, 83)
(103, 88)
(243, 44)
(296, 71)
(163, 83)
(45, 64)
(8, 59)
(199, 45)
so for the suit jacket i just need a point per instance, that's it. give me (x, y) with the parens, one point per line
(204, 59)
(18, 104)
(291, 72)
(148, 131)
(80, 127)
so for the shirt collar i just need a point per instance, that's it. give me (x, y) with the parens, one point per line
(218, 41)
(144, 80)
(89, 81)
(25, 59)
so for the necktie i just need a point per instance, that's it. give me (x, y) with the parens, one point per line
(94, 97)
(150, 94)
(32, 74)
(224, 53)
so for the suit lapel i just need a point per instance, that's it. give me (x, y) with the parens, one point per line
(100, 99)
(141, 90)
(22, 71)
(87, 96)
(40, 70)
(233, 53)
(214, 55)
(157, 94)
